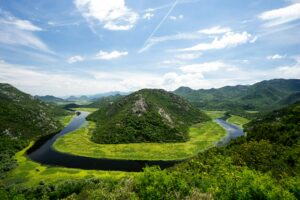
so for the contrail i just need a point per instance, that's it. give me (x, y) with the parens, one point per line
(158, 26)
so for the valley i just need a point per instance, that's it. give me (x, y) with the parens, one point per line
(211, 143)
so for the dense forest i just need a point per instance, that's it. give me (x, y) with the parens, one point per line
(263, 165)
(148, 115)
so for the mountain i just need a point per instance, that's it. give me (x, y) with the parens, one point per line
(82, 98)
(262, 96)
(107, 94)
(148, 115)
(23, 118)
(51, 99)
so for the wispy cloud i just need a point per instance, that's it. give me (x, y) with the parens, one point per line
(75, 59)
(174, 18)
(148, 15)
(188, 56)
(179, 36)
(157, 27)
(281, 16)
(113, 15)
(230, 39)
(15, 31)
(103, 55)
(215, 30)
(207, 67)
(275, 57)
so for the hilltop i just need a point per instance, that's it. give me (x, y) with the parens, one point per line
(24, 116)
(148, 115)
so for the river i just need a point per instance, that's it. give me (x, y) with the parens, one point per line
(44, 153)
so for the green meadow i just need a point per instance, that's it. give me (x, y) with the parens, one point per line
(237, 120)
(29, 173)
(202, 136)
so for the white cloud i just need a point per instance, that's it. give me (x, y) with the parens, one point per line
(112, 14)
(171, 62)
(281, 15)
(14, 31)
(176, 17)
(215, 30)
(207, 67)
(103, 55)
(179, 36)
(202, 75)
(188, 56)
(75, 59)
(275, 57)
(229, 39)
(148, 16)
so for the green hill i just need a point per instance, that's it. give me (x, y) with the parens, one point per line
(22, 118)
(52, 99)
(262, 96)
(148, 115)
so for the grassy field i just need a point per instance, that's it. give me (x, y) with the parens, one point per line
(29, 173)
(86, 109)
(237, 120)
(202, 136)
(65, 120)
(252, 111)
(215, 113)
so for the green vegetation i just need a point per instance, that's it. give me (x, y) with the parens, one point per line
(145, 116)
(237, 120)
(263, 165)
(22, 118)
(262, 96)
(86, 109)
(29, 173)
(202, 136)
(214, 114)
(65, 120)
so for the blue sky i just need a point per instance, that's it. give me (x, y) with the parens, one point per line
(92, 46)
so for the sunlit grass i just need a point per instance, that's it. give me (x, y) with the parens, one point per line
(65, 120)
(86, 109)
(202, 136)
(214, 114)
(237, 120)
(29, 173)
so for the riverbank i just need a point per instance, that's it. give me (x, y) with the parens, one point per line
(30, 173)
(202, 136)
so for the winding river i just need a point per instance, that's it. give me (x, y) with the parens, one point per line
(44, 153)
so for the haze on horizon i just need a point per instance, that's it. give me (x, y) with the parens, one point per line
(78, 47)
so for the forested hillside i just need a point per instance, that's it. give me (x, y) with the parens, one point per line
(145, 116)
(23, 118)
(262, 96)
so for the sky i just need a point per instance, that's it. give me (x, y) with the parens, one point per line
(82, 47)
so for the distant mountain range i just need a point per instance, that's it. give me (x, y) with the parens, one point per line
(81, 99)
(261, 96)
